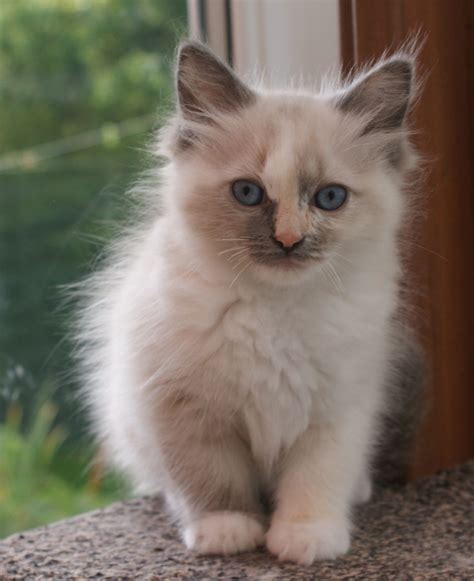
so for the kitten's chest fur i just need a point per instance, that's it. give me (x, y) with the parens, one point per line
(269, 351)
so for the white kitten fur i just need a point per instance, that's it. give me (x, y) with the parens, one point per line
(224, 533)
(304, 542)
(214, 389)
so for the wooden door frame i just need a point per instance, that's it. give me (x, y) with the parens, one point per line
(442, 266)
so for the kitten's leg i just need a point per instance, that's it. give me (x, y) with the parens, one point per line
(316, 488)
(212, 484)
(363, 487)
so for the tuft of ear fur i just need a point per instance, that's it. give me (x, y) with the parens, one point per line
(204, 84)
(382, 95)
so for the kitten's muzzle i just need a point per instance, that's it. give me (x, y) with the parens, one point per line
(288, 247)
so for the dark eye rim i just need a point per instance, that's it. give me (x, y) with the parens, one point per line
(331, 185)
(252, 181)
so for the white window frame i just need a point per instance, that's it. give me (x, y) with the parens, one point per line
(281, 39)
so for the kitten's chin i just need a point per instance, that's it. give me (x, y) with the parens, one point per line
(285, 272)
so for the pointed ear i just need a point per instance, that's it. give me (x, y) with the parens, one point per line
(382, 94)
(205, 84)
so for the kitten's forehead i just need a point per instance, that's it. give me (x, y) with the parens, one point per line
(300, 130)
(289, 143)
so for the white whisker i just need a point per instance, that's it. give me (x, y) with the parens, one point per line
(239, 261)
(237, 254)
(239, 273)
(433, 252)
(332, 276)
(342, 257)
(230, 250)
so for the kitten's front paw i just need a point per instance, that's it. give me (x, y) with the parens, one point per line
(304, 542)
(224, 533)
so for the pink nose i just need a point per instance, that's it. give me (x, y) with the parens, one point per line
(288, 238)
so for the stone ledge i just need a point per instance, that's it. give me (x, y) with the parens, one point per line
(420, 531)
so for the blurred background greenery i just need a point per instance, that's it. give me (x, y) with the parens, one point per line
(82, 84)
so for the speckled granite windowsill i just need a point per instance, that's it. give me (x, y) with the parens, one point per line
(421, 531)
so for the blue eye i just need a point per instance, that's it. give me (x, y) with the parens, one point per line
(330, 198)
(247, 193)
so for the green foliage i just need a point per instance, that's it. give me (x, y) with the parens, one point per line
(72, 75)
(66, 66)
(38, 482)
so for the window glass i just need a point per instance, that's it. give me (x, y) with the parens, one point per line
(82, 85)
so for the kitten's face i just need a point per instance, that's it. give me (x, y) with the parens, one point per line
(279, 185)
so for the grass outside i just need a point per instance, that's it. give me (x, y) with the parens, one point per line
(41, 480)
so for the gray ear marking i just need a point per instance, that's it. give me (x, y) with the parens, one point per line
(205, 84)
(383, 94)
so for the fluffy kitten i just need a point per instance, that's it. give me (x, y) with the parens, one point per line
(239, 345)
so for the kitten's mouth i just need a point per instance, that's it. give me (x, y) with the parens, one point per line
(289, 262)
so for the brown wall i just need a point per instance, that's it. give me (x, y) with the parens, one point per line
(443, 268)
